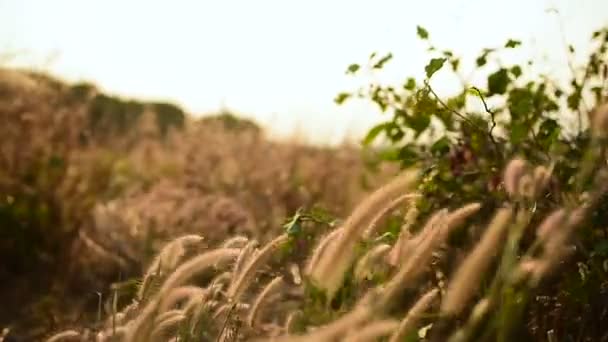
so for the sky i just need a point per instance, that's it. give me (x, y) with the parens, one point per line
(280, 62)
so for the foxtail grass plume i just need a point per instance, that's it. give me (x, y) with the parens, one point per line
(513, 173)
(396, 253)
(409, 323)
(335, 330)
(469, 275)
(224, 312)
(235, 242)
(68, 335)
(410, 271)
(292, 320)
(244, 278)
(296, 275)
(194, 267)
(366, 265)
(166, 260)
(167, 315)
(521, 181)
(558, 238)
(274, 286)
(321, 247)
(221, 280)
(526, 187)
(527, 268)
(555, 248)
(246, 252)
(181, 294)
(443, 221)
(542, 177)
(479, 311)
(550, 224)
(111, 334)
(373, 331)
(329, 273)
(165, 324)
(374, 225)
(458, 217)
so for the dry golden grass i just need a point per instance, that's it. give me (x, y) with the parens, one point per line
(187, 212)
(242, 312)
(116, 199)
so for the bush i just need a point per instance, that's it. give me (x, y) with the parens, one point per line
(462, 144)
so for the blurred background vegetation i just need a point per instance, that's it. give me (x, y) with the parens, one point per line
(92, 184)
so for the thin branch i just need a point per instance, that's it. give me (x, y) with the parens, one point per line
(455, 112)
(485, 106)
(571, 66)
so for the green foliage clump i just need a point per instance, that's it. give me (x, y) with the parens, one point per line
(464, 141)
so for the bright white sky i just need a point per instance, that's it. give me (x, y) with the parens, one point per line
(278, 61)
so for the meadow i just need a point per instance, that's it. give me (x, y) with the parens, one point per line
(123, 220)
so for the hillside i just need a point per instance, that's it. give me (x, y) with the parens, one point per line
(93, 184)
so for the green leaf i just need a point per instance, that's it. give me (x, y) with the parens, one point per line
(374, 132)
(382, 61)
(434, 65)
(571, 48)
(548, 133)
(601, 248)
(473, 91)
(342, 97)
(389, 154)
(422, 32)
(574, 99)
(558, 93)
(455, 62)
(519, 132)
(379, 97)
(394, 132)
(520, 102)
(483, 58)
(498, 82)
(418, 122)
(457, 102)
(441, 146)
(353, 68)
(446, 118)
(408, 156)
(516, 71)
(410, 84)
(512, 43)
(597, 92)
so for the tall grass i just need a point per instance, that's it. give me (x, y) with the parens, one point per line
(483, 299)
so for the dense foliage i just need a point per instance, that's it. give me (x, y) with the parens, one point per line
(463, 142)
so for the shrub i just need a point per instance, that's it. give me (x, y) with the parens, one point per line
(463, 142)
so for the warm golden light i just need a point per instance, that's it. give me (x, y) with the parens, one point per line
(278, 61)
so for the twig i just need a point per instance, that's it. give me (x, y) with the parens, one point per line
(453, 111)
(571, 66)
(485, 106)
